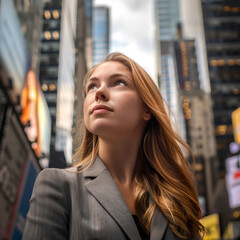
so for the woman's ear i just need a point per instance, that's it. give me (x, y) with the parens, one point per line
(147, 114)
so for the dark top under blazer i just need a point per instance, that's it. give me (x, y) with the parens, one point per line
(88, 205)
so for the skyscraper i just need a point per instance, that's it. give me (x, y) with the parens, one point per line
(221, 24)
(30, 16)
(215, 27)
(83, 62)
(181, 87)
(168, 19)
(198, 118)
(57, 69)
(100, 34)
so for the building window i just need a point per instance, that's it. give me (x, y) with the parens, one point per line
(44, 87)
(236, 91)
(214, 63)
(52, 87)
(51, 97)
(55, 14)
(47, 35)
(52, 111)
(231, 62)
(224, 130)
(47, 14)
(55, 34)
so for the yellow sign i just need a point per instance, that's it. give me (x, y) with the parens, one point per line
(228, 234)
(236, 125)
(211, 223)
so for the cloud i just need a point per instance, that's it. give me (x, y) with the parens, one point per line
(132, 30)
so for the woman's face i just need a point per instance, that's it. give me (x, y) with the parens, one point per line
(112, 105)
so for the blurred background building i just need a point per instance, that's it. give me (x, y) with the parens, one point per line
(198, 118)
(100, 34)
(83, 63)
(24, 116)
(57, 70)
(200, 76)
(179, 78)
(168, 20)
(38, 47)
(221, 21)
(30, 17)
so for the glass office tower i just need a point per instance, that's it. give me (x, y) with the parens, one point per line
(30, 16)
(168, 18)
(100, 34)
(222, 24)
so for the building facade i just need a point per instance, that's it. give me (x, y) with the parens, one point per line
(57, 69)
(168, 19)
(83, 63)
(30, 16)
(170, 91)
(49, 58)
(221, 24)
(200, 136)
(100, 34)
(20, 148)
(196, 104)
(181, 85)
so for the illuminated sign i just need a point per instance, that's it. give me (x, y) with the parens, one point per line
(35, 115)
(211, 223)
(186, 108)
(29, 107)
(236, 125)
(233, 180)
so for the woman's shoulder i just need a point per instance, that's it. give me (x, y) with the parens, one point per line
(56, 176)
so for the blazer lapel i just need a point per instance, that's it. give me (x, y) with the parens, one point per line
(158, 225)
(104, 189)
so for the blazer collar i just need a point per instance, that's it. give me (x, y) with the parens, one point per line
(158, 225)
(95, 169)
(104, 189)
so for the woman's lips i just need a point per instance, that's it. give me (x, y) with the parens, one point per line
(101, 109)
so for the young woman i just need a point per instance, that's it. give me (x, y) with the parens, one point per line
(130, 179)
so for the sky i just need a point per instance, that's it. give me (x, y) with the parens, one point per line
(132, 30)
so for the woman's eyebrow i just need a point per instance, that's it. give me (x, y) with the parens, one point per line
(119, 75)
(92, 79)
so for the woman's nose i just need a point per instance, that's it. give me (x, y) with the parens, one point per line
(102, 94)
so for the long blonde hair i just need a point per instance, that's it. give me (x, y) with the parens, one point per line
(163, 173)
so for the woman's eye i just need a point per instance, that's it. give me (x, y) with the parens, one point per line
(91, 87)
(120, 83)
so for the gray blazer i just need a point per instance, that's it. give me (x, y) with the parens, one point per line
(88, 205)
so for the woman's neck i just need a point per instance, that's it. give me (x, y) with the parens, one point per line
(120, 158)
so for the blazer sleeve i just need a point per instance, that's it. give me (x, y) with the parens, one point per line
(48, 214)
